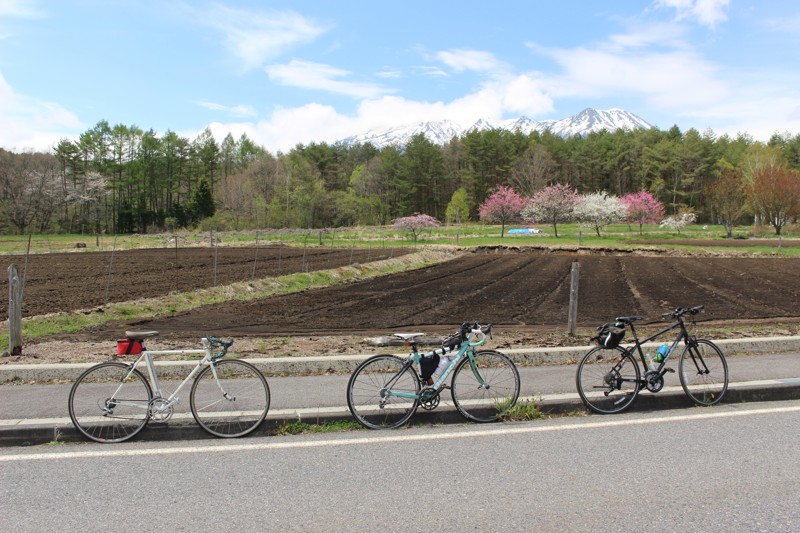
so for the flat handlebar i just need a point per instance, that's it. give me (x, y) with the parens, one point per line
(680, 311)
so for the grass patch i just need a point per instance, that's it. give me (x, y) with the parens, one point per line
(386, 237)
(335, 426)
(522, 411)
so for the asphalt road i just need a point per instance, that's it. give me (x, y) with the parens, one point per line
(734, 467)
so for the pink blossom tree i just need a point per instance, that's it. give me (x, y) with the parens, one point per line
(552, 204)
(503, 206)
(642, 208)
(415, 224)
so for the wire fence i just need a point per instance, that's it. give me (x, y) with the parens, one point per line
(61, 275)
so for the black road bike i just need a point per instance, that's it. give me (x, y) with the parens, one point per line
(609, 377)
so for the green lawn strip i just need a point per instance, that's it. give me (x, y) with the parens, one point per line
(41, 326)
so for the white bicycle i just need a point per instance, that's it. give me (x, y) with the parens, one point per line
(113, 401)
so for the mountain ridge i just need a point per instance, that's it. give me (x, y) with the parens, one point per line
(442, 131)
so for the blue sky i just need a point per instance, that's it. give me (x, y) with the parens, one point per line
(289, 72)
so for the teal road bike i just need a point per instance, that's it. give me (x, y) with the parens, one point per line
(385, 390)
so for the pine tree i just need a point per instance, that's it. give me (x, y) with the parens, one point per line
(202, 203)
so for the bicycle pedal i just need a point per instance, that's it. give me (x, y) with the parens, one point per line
(669, 370)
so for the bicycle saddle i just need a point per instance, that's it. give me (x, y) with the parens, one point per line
(628, 319)
(140, 335)
(408, 336)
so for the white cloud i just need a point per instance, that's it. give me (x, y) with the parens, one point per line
(787, 24)
(20, 9)
(460, 60)
(31, 124)
(17, 9)
(256, 37)
(318, 76)
(706, 12)
(240, 110)
(655, 62)
(669, 79)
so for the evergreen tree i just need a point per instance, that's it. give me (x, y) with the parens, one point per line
(202, 202)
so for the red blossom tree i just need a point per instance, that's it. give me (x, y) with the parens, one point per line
(503, 206)
(416, 223)
(642, 208)
(552, 204)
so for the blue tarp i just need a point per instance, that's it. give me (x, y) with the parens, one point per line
(524, 231)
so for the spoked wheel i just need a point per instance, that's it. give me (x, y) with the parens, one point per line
(608, 380)
(110, 402)
(703, 372)
(485, 392)
(234, 403)
(372, 389)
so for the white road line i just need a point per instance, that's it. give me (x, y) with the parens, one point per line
(354, 441)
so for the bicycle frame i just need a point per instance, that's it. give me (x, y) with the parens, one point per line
(467, 348)
(147, 356)
(683, 335)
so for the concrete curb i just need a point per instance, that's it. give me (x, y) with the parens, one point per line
(28, 433)
(347, 363)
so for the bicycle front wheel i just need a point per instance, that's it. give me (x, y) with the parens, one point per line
(607, 380)
(703, 372)
(485, 387)
(110, 402)
(383, 392)
(229, 398)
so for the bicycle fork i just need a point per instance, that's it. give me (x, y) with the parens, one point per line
(697, 359)
(219, 383)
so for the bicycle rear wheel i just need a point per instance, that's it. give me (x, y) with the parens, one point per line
(232, 404)
(372, 388)
(485, 390)
(703, 372)
(110, 402)
(607, 380)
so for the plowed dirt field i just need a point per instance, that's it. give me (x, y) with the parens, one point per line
(507, 287)
(82, 280)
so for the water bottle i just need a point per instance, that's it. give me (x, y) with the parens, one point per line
(444, 360)
(661, 354)
(650, 364)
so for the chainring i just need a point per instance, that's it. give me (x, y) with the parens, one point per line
(429, 399)
(160, 411)
(653, 381)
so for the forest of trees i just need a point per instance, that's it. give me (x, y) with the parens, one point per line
(122, 179)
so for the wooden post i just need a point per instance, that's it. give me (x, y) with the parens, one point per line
(573, 298)
(14, 312)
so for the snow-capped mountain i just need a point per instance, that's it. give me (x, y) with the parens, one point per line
(441, 132)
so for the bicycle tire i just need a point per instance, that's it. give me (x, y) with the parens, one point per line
(366, 392)
(110, 402)
(237, 411)
(489, 400)
(703, 372)
(608, 380)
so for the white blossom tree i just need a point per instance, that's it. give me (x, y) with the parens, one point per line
(679, 221)
(599, 209)
(552, 205)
